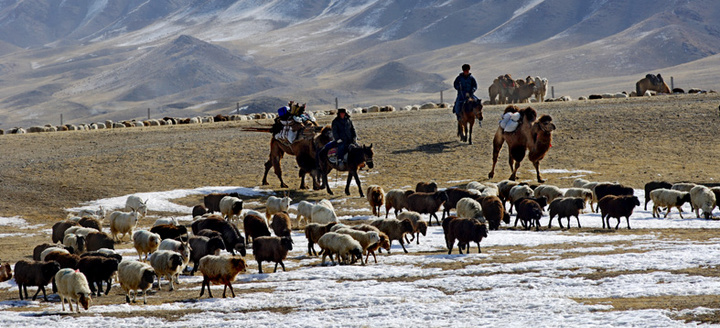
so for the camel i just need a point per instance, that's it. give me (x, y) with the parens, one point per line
(541, 86)
(303, 148)
(524, 90)
(653, 83)
(502, 88)
(533, 135)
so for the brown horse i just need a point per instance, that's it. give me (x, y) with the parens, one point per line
(304, 149)
(652, 83)
(357, 157)
(533, 135)
(471, 110)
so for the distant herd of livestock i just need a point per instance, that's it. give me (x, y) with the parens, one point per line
(81, 258)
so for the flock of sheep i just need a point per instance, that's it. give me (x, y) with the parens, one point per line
(81, 258)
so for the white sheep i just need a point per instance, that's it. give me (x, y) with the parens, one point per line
(517, 192)
(339, 226)
(145, 242)
(304, 212)
(99, 214)
(579, 183)
(668, 198)
(470, 208)
(80, 231)
(583, 193)
(276, 205)
(183, 248)
(702, 198)
(365, 238)
(162, 221)
(485, 189)
(136, 203)
(73, 286)
(220, 269)
(76, 242)
(133, 276)
(683, 186)
(167, 264)
(549, 191)
(49, 250)
(340, 244)
(591, 186)
(323, 212)
(230, 208)
(123, 223)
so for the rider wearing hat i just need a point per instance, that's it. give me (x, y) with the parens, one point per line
(344, 133)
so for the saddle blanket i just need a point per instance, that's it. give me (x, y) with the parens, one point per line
(332, 156)
(286, 134)
(510, 121)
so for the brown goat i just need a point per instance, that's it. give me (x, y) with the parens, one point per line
(494, 212)
(533, 135)
(426, 187)
(376, 197)
(617, 207)
(465, 231)
(6, 272)
(427, 203)
(281, 225)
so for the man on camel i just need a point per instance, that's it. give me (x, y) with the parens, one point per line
(466, 86)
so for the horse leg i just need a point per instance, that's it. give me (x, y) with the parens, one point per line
(497, 145)
(460, 131)
(325, 181)
(347, 185)
(357, 181)
(469, 133)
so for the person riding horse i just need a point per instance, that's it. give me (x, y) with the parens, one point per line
(466, 86)
(344, 134)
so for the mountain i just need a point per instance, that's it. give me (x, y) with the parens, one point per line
(103, 59)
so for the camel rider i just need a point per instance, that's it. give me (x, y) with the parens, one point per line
(466, 86)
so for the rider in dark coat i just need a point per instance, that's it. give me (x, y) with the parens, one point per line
(343, 132)
(466, 86)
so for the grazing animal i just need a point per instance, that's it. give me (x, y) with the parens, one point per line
(519, 192)
(65, 260)
(34, 273)
(529, 211)
(313, 232)
(396, 199)
(357, 157)
(494, 212)
(469, 208)
(652, 185)
(90, 222)
(550, 192)
(464, 230)
(394, 229)
(426, 187)
(199, 210)
(168, 264)
(73, 286)
(323, 212)
(565, 207)
(162, 221)
(134, 276)
(123, 223)
(617, 207)
(145, 242)
(271, 249)
(342, 245)
(532, 135)
(212, 201)
(683, 186)
(5, 272)
(427, 203)
(585, 194)
(59, 228)
(304, 212)
(376, 198)
(281, 225)
(702, 198)
(254, 226)
(454, 195)
(419, 226)
(668, 198)
(171, 231)
(98, 269)
(76, 242)
(365, 238)
(201, 246)
(98, 240)
(220, 269)
(135, 203)
(615, 189)
(232, 238)
(276, 205)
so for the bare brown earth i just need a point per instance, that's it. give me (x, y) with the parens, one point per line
(632, 141)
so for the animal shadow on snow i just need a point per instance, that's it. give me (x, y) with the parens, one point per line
(433, 148)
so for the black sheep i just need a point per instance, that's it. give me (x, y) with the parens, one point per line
(234, 241)
(98, 240)
(454, 195)
(34, 273)
(254, 226)
(98, 269)
(201, 246)
(427, 203)
(170, 231)
(465, 230)
(529, 211)
(652, 185)
(615, 189)
(617, 207)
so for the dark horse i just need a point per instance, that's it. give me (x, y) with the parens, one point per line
(357, 157)
(471, 110)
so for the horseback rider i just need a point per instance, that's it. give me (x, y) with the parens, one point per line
(344, 133)
(466, 86)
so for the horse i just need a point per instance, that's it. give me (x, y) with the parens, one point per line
(471, 110)
(304, 150)
(357, 157)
